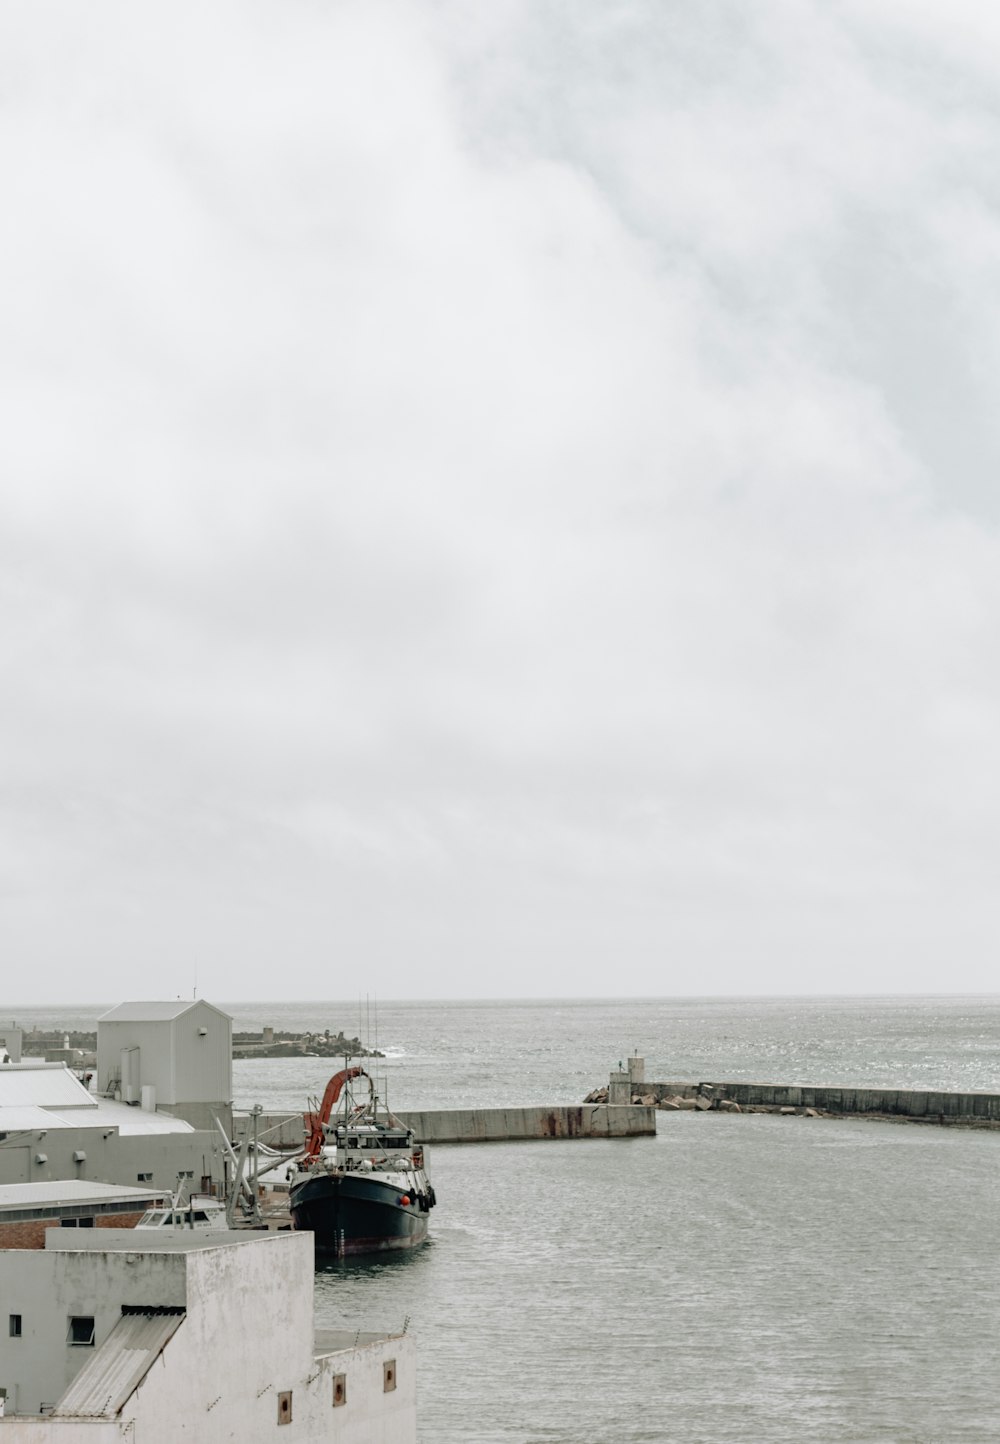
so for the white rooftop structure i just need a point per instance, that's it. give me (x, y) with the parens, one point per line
(157, 1012)
(51, 1127)
(43, 1085)
(69, 1191)
(37, 1095)
(175, 1056)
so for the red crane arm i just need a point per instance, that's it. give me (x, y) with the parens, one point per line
(316, 1122)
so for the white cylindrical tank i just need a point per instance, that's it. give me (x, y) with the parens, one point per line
(149, 1097)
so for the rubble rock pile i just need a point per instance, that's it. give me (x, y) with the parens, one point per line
(703, 1098)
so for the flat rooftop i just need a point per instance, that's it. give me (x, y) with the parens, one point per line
(74, 1191)
(159, 1240)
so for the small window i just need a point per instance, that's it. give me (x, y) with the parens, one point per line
(339, 1390)
(389, 1376)
(144, 1178)
(81, 1331)
(285, 1407)
(15, 1326)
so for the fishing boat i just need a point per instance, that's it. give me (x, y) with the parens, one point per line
(361, 1185)
(201, 1211)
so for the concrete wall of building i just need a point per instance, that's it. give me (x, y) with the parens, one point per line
(247, 1335)
(62, 1431)
(243, 1383)
(153, 1042)
(187, 1059)
(11, 1041)
(112, 1157)
(370, 1415)
(46, 1288)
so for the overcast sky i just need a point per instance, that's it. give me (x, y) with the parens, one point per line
(499, 499)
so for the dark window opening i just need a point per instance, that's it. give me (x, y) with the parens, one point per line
(15, 1326)
(144, 1178)
(389, 1375)
(339, 1390)
(285, 1407)
(81, 1331)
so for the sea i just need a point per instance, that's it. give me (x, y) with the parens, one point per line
(736, 1279)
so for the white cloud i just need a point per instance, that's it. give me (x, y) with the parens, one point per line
(505, 494)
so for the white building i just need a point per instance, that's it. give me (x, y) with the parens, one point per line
(202, 1337)
(52, 1127)
(177, 1055)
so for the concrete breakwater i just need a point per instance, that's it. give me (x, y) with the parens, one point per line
(495, 1125)
(487, 1125)
(972, 1109)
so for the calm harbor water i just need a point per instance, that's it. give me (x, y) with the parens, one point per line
(752, 1279)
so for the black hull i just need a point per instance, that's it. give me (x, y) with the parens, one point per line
(356, 1213)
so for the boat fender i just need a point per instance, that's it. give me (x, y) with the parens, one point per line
(431, 1197)
(405, 1200)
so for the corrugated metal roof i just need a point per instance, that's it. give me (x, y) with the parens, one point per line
(111, 1377)
(46, 1085)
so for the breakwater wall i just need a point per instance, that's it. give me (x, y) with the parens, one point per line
(926, 1105)
(497, 1125)
(486, 1125)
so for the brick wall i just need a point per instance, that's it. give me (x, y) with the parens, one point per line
(32, 1234)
